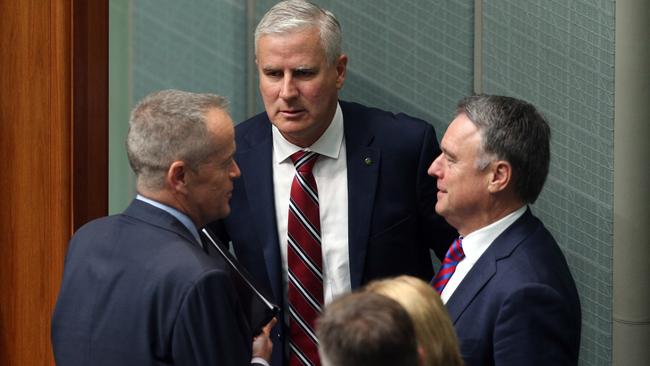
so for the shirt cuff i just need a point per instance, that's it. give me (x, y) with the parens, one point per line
(260, 361)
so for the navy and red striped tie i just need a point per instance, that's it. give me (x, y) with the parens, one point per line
(454, 255)
(304, 257)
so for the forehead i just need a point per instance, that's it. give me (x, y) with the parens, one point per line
(218, 120)
(220, 124)
(300, 45)
(461, 133)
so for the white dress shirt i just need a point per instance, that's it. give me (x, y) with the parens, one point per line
(330, 172)
(474, 245)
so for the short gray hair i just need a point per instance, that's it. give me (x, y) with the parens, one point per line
(166, 126)
(512, 130)
(297, 15)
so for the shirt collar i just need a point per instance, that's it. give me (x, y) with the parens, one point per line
(329, 144)
(183, 218)
(478, 241)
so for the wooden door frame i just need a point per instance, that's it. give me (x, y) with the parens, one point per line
(90, 111)
(54, 148)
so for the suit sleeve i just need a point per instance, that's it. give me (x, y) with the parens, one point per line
(210, 328)
(434, 230)
(534, 328)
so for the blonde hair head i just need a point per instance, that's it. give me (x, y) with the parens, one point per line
(434, 330)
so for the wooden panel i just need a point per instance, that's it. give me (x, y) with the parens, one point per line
(90, 79)
(40, 96)
(35, 132)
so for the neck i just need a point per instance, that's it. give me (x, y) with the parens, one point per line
(495, 211)
(172, 200)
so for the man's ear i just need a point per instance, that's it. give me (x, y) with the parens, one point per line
(177, 176)
(500, 176)
(341, 65)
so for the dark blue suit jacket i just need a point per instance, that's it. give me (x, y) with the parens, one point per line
(392, 221)
(518, 305)
(138, 290)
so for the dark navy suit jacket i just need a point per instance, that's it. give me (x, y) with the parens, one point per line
(518, 305)
(138, 290)
(392, 221)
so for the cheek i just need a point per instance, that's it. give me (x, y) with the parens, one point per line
(223, 182)
(268, 90)
(313, 91)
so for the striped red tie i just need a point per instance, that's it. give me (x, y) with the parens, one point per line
(305, 283)
(454, 255)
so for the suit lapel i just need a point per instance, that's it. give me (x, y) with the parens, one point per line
(482, 271)
(363, 161)
(256, 163)
(486, 266)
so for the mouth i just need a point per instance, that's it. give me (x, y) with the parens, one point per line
(291, 113)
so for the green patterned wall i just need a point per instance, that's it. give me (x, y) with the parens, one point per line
(560, 56)
(197, 45)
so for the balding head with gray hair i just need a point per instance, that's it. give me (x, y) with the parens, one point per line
(297, 15)
(512, 130)
(166, 126)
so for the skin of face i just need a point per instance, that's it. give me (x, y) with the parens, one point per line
(298, 86)
(463, 193)
(209, 187)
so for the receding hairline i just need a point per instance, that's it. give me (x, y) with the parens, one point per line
(290, 17)
(291, 32)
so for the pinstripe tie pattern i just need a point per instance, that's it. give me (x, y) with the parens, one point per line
(454, 255)
(305, 277)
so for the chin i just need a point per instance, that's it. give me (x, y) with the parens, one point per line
(221, 214)
(225, 212)
(292, 126)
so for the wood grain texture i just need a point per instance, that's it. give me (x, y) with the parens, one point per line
(35, 132)
(36, 145)
(90, 95)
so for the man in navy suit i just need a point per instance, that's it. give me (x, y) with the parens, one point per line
(140, 288)
(377, 214)
(506, 283)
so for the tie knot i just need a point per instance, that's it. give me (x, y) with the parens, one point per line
(304, 160)
(456, 252)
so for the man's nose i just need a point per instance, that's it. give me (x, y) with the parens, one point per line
(288, 89)
(235, 172)
(434, 169)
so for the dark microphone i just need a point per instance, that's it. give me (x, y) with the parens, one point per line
(260, 309)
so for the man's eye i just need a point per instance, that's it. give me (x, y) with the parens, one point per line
(226, 164)
(304, 73)
(273, 74)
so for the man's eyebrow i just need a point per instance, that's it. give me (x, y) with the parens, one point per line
(447, 152)
(304, 67)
